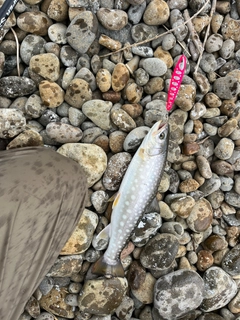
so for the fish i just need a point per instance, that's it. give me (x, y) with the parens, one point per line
(137, 190)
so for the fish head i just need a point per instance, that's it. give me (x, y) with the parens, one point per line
(156, 142)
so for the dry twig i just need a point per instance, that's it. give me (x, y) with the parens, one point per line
(158, 35)
(17, 53)
(194, 36)
(207, 33)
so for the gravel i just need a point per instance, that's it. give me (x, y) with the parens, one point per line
(79, 95)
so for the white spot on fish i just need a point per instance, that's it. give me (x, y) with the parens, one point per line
(121, 223)
(129, 210)
(133, 197)
(127, 203)
(124, 216)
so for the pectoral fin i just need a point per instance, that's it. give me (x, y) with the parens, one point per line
(105, 233)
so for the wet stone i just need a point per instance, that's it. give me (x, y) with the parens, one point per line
(121, 119)
(146, 228)
(54, 303)
(219, 289)
(231, 262)
(160, 252)
(13, 86)
(82, 31)
(102, 296)
(91, 157)
(46, 65)
(144, 293)
(134, 138)
(66, 266)
(178, 293)
(201, 216)
(81, 237)
(99, 200)
(99, 112)
(116, 168)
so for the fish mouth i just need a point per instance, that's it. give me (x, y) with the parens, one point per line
(160, 127)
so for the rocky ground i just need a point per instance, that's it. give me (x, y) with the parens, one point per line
(82, 86)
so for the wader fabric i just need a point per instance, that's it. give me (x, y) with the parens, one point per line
(42, 195)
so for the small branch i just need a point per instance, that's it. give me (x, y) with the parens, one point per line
(194, 36)
(158, 35)
(207, 33)
(17, 53)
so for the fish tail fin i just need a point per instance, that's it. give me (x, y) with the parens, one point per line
(102, 268)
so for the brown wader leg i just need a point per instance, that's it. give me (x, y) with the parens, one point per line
(42, 196)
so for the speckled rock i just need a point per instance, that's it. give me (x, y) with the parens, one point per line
(219, 289)
(35, 22)
(122, 119)
(210, 185)
(104, 80)
(102, 296)
(182, 206)
(224, 149)
(99, 200)
(142, 31)
(112, 19)
(227, 128)
(145, 291)
(160, 252)
(31, 45)
(126, 308)
(133, 109)
(63, 133)
(164, 55)
(54, 302)
(58, 10)
(156, 13)
(116, 168)
(230, 29)
(51, 93)
(57, 33)
(177, 120)
(12, 122)
(186, 97)
(201, 216)
(120, 77)
(227, 87)
(116, 141)
(99, 112)
(146, 228)
(91, 157)
(66, 266)
(13, 86)
(188, 185)
(27, 138)
(231, 262)
(46, 65)
(81, 237)
(214, 43)
(178, 293)
(78, 92)
(82, 31)
(204, 167)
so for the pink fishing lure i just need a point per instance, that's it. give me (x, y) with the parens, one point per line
(176, 80)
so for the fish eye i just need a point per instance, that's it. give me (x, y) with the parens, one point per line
(162, 136)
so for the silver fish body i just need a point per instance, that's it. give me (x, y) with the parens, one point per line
(138, 188)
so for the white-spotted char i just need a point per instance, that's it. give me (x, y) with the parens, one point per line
(138, 188)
